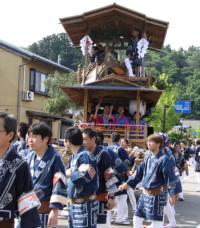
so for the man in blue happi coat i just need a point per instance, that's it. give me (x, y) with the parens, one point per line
(17, 198)
(116, 163)
(169, 208)
(83, 182)
(22, 131)
(121, 196)
(157, 175)
(48, 174)
(120, 118)
(120, 168)
(107, 179)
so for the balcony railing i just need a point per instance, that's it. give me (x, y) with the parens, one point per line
(134, 133)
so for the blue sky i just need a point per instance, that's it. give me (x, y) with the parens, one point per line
(23, 22)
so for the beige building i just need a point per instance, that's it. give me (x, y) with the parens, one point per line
(22, 89)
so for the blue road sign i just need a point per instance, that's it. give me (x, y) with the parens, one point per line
(194, 134)
(181, 106)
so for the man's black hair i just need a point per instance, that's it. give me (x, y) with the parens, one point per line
(10, 123)
(135, 29)
(23, 129)
(107, 104)
(126, 140)
(100, 137)
(115, 137)
(198, 142)
(90, 133)
(41, 129)
(74, 135)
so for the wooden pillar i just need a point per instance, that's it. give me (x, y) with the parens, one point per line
(138, 108)
(85, 106)
(79, 74)
(145, 107)
(96, 69)
(106, 59)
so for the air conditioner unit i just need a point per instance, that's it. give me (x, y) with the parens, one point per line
(27, 95)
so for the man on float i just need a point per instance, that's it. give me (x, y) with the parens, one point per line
(107, 118)
(120, 118)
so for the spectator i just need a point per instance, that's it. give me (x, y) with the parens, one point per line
(197, 166)
(21, 143)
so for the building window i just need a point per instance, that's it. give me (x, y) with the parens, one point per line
(36, 83)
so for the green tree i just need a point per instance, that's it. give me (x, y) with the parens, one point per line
(56, 45)
(182, 68)
(58, 102)
(192, 93)
(167, 98)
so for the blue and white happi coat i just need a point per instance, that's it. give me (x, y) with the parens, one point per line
(121, 164)
(107, 181)
(16, 191)
(154, 172)
(81, 185)
(49, 179)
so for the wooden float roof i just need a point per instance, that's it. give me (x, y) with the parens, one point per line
(108, 24)
(113, 80)
(95, 92)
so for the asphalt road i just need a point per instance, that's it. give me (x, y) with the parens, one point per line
(187, 212)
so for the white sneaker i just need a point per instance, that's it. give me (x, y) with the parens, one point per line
(170, 226)
(125, 222)
(63, 214)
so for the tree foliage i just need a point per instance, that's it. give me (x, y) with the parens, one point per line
(182, 67)
(53, 46)
(58, 102)
(167, 98)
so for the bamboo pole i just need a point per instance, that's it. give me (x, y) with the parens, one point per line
(142, 71)
(85, 65)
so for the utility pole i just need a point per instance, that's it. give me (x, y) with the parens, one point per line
(181, 123)
(164, 118)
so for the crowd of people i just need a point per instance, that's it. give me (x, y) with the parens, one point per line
(95, 182)
(114, 118)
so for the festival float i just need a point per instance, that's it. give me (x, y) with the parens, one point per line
(106, 81)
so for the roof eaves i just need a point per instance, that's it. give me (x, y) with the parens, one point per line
(139, 88)
(30, 55)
